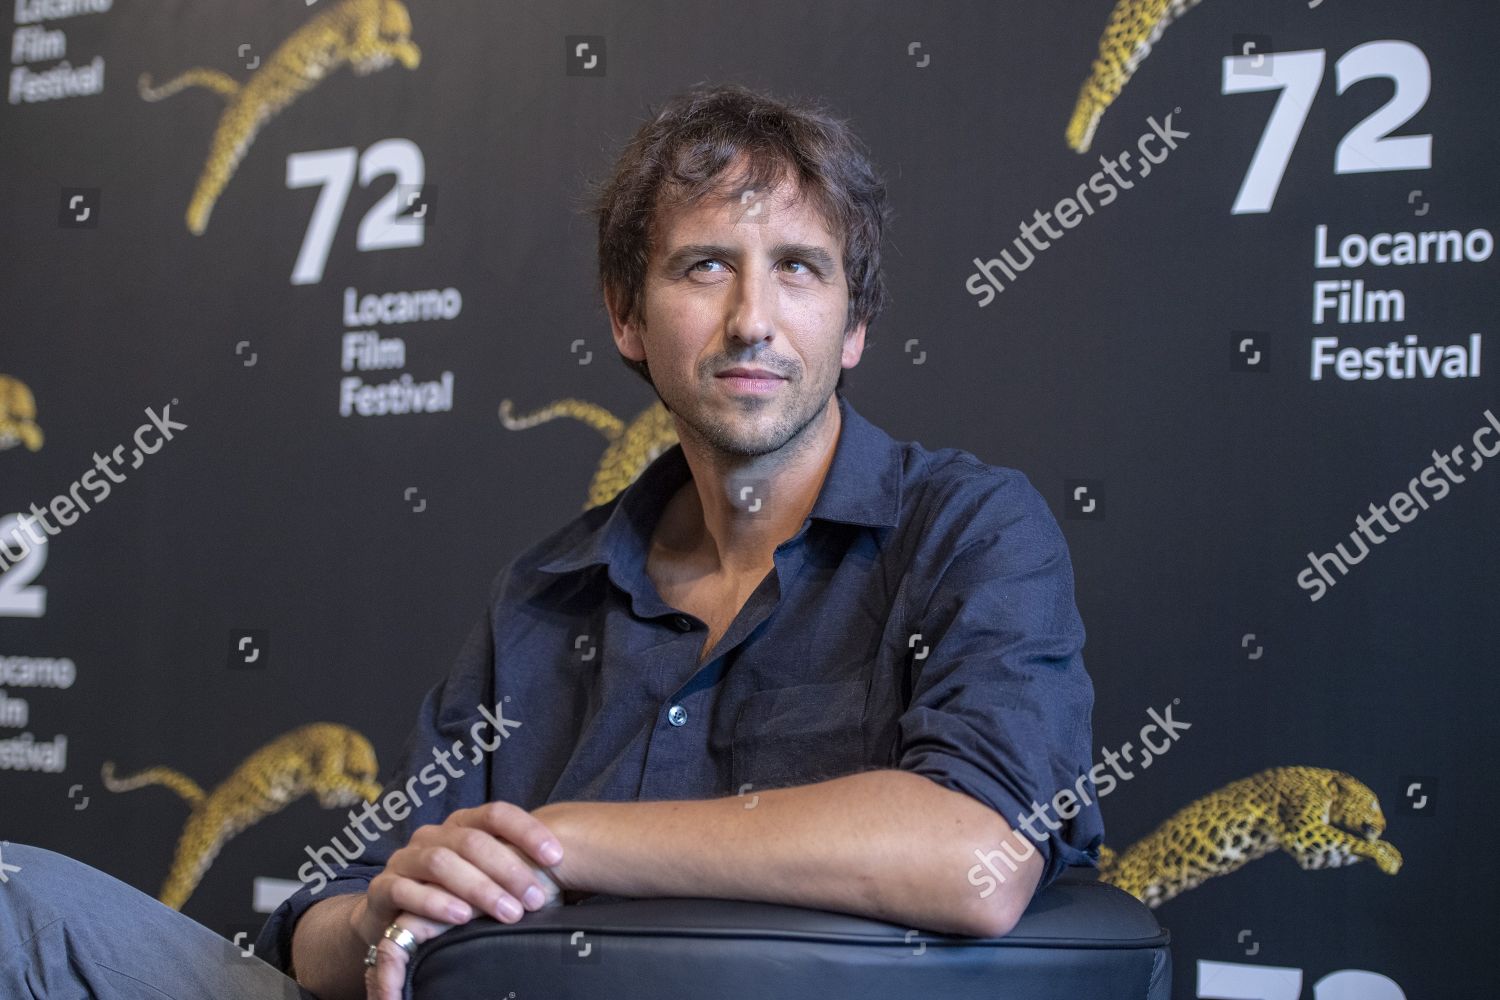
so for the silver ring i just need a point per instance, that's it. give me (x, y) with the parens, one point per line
(403, 938)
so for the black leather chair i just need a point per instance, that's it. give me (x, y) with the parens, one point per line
(1079, 940)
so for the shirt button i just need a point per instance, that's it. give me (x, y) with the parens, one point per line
(681, 623)
(677, 715)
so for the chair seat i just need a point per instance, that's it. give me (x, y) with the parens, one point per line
(1079, 938)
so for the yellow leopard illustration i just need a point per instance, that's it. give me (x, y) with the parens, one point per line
(630, 449)
(18, 415)
(1134, 26)
(334, 762)
(1322, 818)
(369, 35)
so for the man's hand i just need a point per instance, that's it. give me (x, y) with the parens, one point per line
(491, 859)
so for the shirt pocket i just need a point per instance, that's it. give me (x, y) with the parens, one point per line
(800, 734)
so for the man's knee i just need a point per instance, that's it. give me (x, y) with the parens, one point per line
(22, 863)
(36, 879)
(22, 866)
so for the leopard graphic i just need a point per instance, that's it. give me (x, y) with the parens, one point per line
(1133, 28)
(18, 415)
(631, 448)
(368, 35)
(1322, 818)
(325, 759)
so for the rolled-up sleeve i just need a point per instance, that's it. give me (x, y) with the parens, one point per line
(441, 768)
(1000, 704)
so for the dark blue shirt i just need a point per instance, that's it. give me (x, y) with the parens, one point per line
(922, 618)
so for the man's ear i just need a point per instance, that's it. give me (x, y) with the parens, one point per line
(626, 332)
(854, 344)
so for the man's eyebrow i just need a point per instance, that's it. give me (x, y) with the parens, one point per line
(691, 253)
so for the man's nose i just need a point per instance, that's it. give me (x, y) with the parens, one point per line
(752, 312)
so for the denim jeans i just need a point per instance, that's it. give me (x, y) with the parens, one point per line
(69, 931)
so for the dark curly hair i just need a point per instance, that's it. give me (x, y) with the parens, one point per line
(676, 159)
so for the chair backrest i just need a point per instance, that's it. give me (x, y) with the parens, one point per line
(1079, 938)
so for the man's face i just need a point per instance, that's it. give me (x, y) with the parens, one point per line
(746, 281)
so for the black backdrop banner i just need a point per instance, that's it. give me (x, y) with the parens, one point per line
(301, 345)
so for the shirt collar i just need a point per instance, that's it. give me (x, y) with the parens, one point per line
(863, 487)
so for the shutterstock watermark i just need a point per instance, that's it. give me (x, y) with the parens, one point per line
(397, 803)
(1439, 478)
(1066, 804)
(1106, 184)
(18, 531)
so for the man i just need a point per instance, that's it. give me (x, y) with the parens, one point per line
(794, 661)
(748, 615)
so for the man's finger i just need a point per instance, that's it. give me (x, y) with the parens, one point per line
(505, 864)
(516, 826)
(387, 978)
(426, 900)
(384, 980)
(390, 893)
(449, 868)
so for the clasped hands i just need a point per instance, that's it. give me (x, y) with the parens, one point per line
(496, 859)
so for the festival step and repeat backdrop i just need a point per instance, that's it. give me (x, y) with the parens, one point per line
(300, 345)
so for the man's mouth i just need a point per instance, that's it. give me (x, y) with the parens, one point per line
(758, 381)
(740, 371)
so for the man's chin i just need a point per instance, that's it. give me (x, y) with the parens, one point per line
(736, 433)
(744, 445)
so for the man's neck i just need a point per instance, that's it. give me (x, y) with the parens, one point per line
(708, 525)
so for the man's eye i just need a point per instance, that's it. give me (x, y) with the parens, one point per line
(790, 261)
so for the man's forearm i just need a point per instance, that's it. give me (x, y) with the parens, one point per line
(886, 844)
(326, 956)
